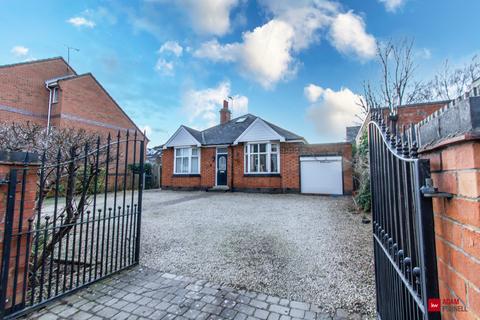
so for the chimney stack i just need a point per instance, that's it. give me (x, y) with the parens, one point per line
(225, 113)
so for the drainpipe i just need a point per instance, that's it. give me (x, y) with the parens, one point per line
(231, 175)
(49, 107)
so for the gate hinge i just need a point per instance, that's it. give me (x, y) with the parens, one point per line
(429, 191)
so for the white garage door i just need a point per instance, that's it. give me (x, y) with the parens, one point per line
(321, 175)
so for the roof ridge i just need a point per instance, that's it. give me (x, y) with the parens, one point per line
(38, 61)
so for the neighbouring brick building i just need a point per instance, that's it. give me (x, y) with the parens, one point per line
(50, 93)
(409, 114)
(251, 154)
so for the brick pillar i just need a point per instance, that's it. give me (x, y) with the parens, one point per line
(455, 167)
(9, 161)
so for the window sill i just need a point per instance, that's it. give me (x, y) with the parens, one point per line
(185, 175)
(266, 175)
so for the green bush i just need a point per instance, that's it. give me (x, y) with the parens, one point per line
(363, 196)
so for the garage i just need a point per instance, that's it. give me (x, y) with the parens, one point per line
(321, 175)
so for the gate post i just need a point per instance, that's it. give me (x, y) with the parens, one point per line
(18, 180)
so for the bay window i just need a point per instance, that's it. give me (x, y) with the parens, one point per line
(262, 158)
(187, 160)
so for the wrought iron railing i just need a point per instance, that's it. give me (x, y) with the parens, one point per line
(85, 227)
(404, 243)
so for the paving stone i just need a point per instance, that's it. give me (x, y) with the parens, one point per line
(132, 297)
(300, 305)
(228, 303)
(273, 300)
(261, 314)
(309, 315)
(122, 315)
(191, 314)
(243, 299)
(107, 312)
(144, 301)
(279, 309)
(273, 316)
(228, 314)
(148, 295)
(68, 312)
(297, 313)
(198, 305)
(245, 309)
(162, 305)
(48, 316)
(210, 308)
(208, 298)
(176, 309)
(240, 316)
(261, 297)
(284, 302)
(258, 304)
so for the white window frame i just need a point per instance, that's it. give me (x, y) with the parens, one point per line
(189, 160)
(268, 152)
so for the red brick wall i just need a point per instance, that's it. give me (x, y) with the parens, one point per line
(29, 205)
(412, 114)
(82, 103)
(287, 181)
(456, 169)
(22, 86)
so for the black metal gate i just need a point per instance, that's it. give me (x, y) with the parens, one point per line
(85, 225)
(404, 243)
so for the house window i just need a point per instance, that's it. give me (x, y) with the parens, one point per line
(262, 158)
(55, 95)
(187, 161)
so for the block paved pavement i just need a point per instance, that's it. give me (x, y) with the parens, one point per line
(143, 293)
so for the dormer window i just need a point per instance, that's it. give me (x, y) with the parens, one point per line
(55, 95)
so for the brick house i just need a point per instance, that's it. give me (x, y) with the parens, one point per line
(49, 92)
(250, 154)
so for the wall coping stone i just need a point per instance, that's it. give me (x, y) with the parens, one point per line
(461, 117)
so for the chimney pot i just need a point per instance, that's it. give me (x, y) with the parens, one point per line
(225, 113)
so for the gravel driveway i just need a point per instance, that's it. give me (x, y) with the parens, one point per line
(307, 248)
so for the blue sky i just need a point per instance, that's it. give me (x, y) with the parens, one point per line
(297, 63)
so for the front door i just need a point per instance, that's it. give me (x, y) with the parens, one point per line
(222, 169)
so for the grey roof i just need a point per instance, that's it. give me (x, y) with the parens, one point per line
(228, 132)
(352, 133)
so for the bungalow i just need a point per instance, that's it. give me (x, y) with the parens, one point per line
(250, 154)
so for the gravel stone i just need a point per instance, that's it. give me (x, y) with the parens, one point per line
(291, 246)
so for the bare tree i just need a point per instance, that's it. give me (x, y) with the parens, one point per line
(59, 149)
(450, 83)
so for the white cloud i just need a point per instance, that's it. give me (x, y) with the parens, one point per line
(215, 51)
(19, 51)
(202, 106)
(349, 36)
(171, 46)
(313, 92)
(209, 16)
(81, 22)
(333, 112)
(392, 5)
(267, 53)
(147, 130)
(264, 54)
(164, 67)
